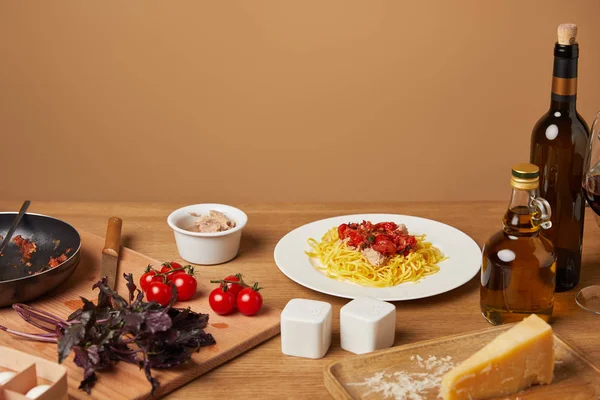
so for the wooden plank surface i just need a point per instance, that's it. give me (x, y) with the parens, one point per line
(234, 333)
(264, 372)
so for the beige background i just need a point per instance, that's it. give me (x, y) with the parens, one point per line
(231, 101)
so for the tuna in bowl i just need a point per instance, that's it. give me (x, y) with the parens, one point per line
(207, 234)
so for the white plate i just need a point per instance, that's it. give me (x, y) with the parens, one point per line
(463, 263)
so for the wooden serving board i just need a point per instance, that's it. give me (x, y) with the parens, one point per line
(234, 334)
(574, 376)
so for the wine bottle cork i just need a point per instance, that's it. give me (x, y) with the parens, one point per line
(567, 34)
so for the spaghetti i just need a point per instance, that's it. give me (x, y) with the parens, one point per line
(339, 260)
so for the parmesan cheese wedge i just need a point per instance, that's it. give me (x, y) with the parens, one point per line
(514, 360)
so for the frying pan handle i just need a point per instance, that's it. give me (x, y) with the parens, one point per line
(113, 237)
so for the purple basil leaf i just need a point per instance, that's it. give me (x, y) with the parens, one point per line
(133, 321)
(88, 383)
(73, 335)
(81, 358)
(83, 361)
(93, 354)
(171, 359)
(114, 297)
(103, 335)
(158, 322)
(130, 286)
(74, 315)
(138, 299)
(142, 333)
(179, 315)
(103, 298)
(124, 353)
(164, 338)
(206, 340)
(88, 315)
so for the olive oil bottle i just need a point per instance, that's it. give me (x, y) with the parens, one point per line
(558, 145)
(518, 272)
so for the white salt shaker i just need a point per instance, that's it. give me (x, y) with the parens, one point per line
(367, 325)
(306, 328)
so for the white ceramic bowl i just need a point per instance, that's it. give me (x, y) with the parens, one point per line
(206, 248)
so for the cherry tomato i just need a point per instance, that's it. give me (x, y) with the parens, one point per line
(175, 265)
(186, 285)
(405, 243)
(249, 301)
(221, 302)
(168, 267)
(233, 287)
(385, 247)
(159, 292)
(383, 238)
(384, 244)
(355, 238)
(387, 226)
(149, 277)
(342, 229)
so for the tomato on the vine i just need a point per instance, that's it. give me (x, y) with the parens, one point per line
(148, 278)
(159, 292)
(249, 301)
(233, 293)
(186, 285)
(234, 288)
(221, 301)
(170, 267)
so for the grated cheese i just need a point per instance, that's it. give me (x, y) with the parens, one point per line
(409, 385)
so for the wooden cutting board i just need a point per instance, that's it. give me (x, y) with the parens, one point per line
(234, 334)
(421, 365)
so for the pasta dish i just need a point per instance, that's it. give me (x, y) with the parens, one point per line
(378, 255)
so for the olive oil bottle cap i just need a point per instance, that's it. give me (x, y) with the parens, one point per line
(525, 176)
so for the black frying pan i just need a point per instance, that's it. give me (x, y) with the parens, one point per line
(20, 283)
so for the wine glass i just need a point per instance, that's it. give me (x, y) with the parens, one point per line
(588, 298)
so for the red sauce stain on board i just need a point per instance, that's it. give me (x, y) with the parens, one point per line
(219, 325)
(76, 304)
(73, 304)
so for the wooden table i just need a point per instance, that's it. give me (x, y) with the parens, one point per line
(265, 372)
